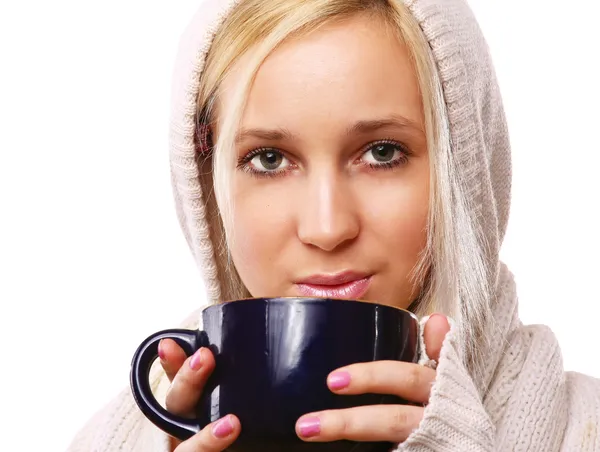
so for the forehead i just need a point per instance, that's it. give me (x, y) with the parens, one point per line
(353, 69)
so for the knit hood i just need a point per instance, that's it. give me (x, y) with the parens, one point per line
(475, 115)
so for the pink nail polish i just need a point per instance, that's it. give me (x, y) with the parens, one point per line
(338, 380)
(196, 361)
(223, 428)
(161, 352)
(309, 427)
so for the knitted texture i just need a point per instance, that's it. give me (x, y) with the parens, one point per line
(525, 401)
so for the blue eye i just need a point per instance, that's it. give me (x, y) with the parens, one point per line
(384, 153)
(266, 162)
(269, 160)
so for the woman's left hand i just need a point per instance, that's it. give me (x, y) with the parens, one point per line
(392, 423)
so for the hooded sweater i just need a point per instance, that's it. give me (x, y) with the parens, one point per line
(525, 401)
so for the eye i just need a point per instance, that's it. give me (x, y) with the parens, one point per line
(384, 153)
(268, 160)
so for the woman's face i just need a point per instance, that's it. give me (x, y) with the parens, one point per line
(332, 185)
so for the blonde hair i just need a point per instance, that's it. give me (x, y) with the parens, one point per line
(451, 272)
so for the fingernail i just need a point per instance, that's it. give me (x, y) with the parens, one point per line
(338, 380)
(437, 315)
(161, 352)
(223, 428)
(309, 427)
(196, 361)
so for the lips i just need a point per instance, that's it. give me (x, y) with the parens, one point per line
(346, 285)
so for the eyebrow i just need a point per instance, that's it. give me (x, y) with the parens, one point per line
(359, 127)
(399, 122)
(279, 134)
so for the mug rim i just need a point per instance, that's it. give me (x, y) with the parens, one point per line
(311, 300)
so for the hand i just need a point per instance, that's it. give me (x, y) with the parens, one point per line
(188, 377)
(392, 423)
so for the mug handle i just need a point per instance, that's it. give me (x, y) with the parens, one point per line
(177, 426)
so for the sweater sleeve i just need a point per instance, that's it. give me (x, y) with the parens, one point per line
(583, 395)
(455, 418)
(531, 404)
(120, 427)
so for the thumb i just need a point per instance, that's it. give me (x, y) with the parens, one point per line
(436, 328)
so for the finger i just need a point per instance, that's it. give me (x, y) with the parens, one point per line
(407, 380)
(189, 382)
(171, 357)
(393, 423)
(434, 334)
(215, 437)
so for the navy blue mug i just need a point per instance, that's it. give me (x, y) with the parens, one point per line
(273, 356)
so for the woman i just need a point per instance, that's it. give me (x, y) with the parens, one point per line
(358, 149)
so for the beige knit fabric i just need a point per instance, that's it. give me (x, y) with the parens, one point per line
(525, 402)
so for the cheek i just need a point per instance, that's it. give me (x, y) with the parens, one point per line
(397, 218)
(262, 228)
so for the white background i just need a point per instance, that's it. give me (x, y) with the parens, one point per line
(91, 258)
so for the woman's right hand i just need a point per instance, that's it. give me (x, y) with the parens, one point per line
(188, 377)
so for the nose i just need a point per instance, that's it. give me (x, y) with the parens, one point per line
(328, 217)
